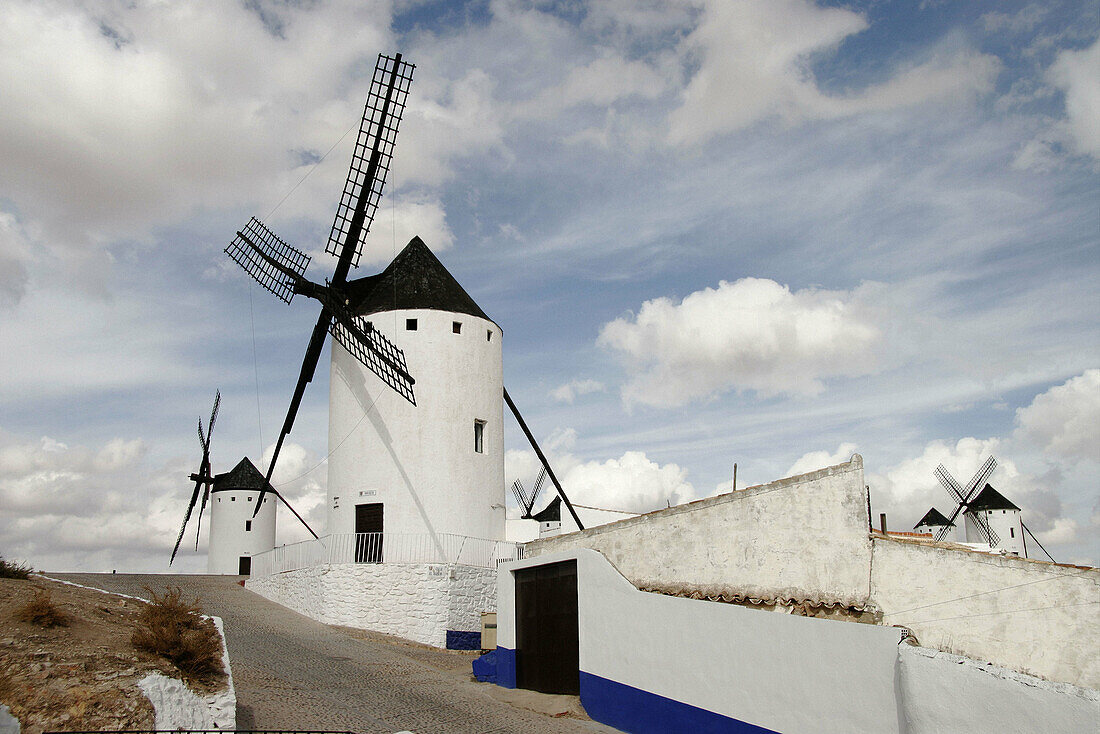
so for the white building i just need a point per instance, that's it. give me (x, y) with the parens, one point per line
(1001, 516)
(416, 515)
(235, 535)
(436, 467)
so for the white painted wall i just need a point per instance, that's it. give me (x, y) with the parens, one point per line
(801, 538)
(230, 511)
(792, 674)
(942, 692)
(418, 602)
(419, 461)
(1026, 615)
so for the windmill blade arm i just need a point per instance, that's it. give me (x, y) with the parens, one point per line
(309, 367)
(187, 516)
(979, 478)
(373, 350)
(370, 162)
(984, 530)
(538, 486)
(520, 495)
(949, 483)
(268, 259)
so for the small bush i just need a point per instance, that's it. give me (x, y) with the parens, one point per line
(175, 630)
(13, 570)
(41, 611)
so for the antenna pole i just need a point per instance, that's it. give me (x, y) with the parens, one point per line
(734, 476)
(542, 458)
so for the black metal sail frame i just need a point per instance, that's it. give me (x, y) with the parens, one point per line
(963, 496)
(280, 268)
(203, 479)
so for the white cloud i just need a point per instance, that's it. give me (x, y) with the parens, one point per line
(15, 255)
(815, 460)
(753, 334)
(302, 478)
(754, 60)
(632, 483)
(1064, 421)
(573, 389)
(1076, 74)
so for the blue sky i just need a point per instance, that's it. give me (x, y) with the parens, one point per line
(770, 233)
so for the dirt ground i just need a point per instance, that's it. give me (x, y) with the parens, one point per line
(79, 677)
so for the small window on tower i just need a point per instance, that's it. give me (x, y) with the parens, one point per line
(248, 526)
(479, 437)
(249, 498)
(1012, 532)
(410, 324)
(232, 499)
(456, 327)
(488, 335)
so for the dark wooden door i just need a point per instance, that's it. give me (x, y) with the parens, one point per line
(244, 566)
(547, 646)
(368, 519)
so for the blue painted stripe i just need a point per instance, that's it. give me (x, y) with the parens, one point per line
(636, 711)
(506, 667)
(460, 640)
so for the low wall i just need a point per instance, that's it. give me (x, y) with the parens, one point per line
(434, 604)
(654, 663)
(799, 539)
(1030, 616)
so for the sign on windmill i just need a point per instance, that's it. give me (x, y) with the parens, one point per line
(280, 268)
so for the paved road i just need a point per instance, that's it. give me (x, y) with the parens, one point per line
(292, 673)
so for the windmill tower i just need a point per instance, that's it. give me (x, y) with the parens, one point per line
(436, 467)
(237, 531)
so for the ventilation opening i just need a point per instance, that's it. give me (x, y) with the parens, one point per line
(410, 324)
(479, 437)
(488, 335)
(456, 327)
(248, 526)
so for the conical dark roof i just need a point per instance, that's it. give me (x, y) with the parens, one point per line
(244, 475)
(415, 279)
(550, 513)
(933, 518)
(990, 499)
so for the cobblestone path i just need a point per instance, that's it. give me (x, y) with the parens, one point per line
(291, 672)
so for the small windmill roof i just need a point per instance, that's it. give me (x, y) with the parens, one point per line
(415, 279)
(990, 499)
(244, 475)
(933, 518)
(550, 513)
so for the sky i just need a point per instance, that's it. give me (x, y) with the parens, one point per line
(770, 232)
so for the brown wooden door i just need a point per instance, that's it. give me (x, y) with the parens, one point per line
(547, 645)
(368, 519)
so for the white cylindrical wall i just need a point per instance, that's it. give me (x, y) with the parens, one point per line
(1005, 523)
(234, 533)
(420, 461)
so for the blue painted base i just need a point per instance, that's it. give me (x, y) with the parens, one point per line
(641, 712)
(485, 667)
(506, 667)
(458, 640)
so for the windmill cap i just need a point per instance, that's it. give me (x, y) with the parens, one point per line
(990, 499)
(244, 475)
(416, 279)
(934, 518)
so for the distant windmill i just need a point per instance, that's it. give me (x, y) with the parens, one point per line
(963, 496)
(527, 502)
(203, 478)
(280, 268)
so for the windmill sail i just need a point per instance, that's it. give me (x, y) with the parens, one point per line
(370, 162)
(374, 351)
(268, 259)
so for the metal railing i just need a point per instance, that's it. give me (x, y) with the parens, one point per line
(386, 548)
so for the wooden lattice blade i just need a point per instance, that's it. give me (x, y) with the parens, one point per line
(268, 259)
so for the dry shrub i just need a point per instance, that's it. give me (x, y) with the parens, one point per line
(13, 570)
(175, 630)
(40, 610)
